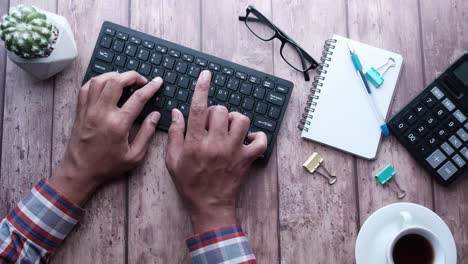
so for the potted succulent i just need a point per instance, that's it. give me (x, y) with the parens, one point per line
(38, 41)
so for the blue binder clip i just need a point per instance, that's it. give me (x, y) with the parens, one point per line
(375, 76)
(386, 176)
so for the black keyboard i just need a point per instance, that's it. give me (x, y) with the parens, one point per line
(434, 126)
(260, 96)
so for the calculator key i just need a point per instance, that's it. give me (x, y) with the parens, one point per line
(409, 117)
(436, 158)
(459, 116)
(455, 141)
(422, 130)
(464, 152)
(429, 101)
(432, 140)
(447, 148)
(420, 110)
(400, 125)
(412, 137)
(423, 149)
(459, 160)
(442, 133)
(437, 92)
(451, 125)
(447, 170)
(448, 104)
(440, 112)
(462, 134)
(431, 121)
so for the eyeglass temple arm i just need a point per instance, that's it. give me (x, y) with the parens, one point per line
(306, 73)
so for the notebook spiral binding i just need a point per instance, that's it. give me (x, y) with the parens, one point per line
(316, 84)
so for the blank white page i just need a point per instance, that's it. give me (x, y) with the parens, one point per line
(343, 117)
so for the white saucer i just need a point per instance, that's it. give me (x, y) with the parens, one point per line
(384, 224)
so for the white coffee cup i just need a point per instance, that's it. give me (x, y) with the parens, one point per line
(408, 227)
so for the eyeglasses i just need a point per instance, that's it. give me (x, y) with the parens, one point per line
(290, 51)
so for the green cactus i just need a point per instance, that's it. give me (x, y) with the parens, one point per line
(27, 33)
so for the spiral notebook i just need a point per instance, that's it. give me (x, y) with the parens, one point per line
(338, 113)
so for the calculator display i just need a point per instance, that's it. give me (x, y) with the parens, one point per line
(462, 73)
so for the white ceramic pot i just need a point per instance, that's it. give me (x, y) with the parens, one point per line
(64, 53)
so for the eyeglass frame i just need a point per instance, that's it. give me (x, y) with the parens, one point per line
(283, 37)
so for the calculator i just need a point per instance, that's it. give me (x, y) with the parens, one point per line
(433, 127)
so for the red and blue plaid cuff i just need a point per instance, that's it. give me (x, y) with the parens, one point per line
(226, 244)
(45, 216)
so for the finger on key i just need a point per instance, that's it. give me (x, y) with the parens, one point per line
(198, 109)
(218, 120)
(113, 89)
(257, 146)
(239, 126)
(96, 85)
(134, 105)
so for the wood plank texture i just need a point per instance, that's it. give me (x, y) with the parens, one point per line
(3, 60)
(27, 126)
(315, 219)
(101, 235)
(379, 24)
(257, 207)
(157, 222)
(444, 38)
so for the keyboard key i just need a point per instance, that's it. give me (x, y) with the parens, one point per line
(234, 109)
(119, 70)
(456, 142)
(155, 58)
(148, 44)
(157, 72)
(159, 101)
(248, 114)
(400, 125)
(245, 89)
(241, 75)
(248, 103)
(187, 57)
(447, 170)
(261, 108)
(282, 89)
(420, 110)
(222, 94)
(431, 121)
(440, 112)
(429, 101)
(212, 91)
(168, 62)
(135, 40)
(161, 48)
(459, 161)
(447, 148)
(122, 36)
(132, 65)
(109, 31)
(448, 104)
(436, 158)
(171, 104)
(145, 69)
(220, 79)
(194, 71)
(193, 84)
(275, 98)
(182, 95)
(462, 134)
(211, 102)
(201, 62)
(235, 99)
(130, 50)
(409, 117)
(183, 81)
(265, 123)
(169, 91)
(174, 53)
(254, 79)
(118, 46)
(274, 112)
(459, 116)
(214, 66)
(259, 93)
(232, 84)
(181, 67)
(101, 67)
(464, 152)
(106, 42)
(228, 71)
(422, 129)
(105, 55)
(185, 109)
(268, 84)
(432, 140)
(143, 54)
(170, 77)
(437, 92)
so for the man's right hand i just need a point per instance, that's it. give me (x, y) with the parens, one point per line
(209, 164)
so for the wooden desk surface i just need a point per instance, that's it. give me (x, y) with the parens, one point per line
(288, 214)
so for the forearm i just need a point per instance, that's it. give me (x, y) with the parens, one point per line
(37, 226)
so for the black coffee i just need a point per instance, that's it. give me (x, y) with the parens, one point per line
(413, 249)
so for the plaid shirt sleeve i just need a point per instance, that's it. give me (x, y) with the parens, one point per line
(223, 245)
(37, 226)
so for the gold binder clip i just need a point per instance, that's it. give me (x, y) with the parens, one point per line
(312, 164)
